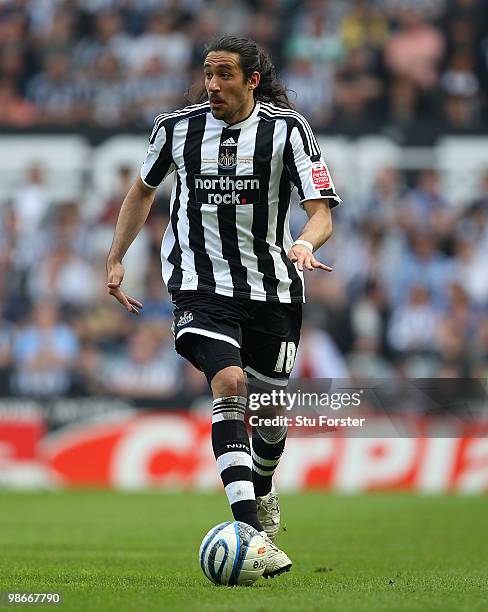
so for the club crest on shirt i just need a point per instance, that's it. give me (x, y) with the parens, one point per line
(185, 318)
(228, 153)
(227, 159)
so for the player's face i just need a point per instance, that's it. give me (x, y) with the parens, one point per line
(231, 96)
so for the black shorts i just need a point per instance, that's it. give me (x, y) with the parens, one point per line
(214, 331)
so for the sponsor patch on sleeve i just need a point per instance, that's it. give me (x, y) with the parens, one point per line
(320, 176)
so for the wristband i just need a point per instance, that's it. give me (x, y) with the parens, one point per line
(304, 243)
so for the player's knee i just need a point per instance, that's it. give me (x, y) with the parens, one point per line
(228, 382)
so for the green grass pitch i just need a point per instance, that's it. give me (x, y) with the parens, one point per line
(109, 551)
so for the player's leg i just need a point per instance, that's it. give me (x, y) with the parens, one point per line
(207, 333)
(220, 360)
(270, 345)
(268, 443)
(230, 442)
(209, 337)
(231, 448)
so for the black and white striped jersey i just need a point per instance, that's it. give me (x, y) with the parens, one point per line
(229, 225)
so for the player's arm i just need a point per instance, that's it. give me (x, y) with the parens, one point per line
(132, 216)
(316, 191)
(317, 230)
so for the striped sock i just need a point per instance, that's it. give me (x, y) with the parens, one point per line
(230, 444)
(267, 447)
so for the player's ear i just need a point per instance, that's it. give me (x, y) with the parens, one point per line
(254, 79)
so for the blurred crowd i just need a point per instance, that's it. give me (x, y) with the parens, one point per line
(115, 64)
(408, 296)
(409, 293)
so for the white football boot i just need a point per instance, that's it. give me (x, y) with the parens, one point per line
(269, 513)
(277, 561)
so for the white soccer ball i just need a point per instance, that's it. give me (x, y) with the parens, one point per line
(233, 554)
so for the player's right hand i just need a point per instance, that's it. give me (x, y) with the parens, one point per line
(115, 276)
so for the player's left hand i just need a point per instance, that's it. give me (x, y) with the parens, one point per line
(304, 258)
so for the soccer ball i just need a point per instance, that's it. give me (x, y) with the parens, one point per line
(233, 554)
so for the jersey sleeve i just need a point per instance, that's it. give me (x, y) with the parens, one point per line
(159, 161)
(308, 170)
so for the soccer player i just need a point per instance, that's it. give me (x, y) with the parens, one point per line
(233, 271)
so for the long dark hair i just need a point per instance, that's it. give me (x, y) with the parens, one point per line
(252, 58)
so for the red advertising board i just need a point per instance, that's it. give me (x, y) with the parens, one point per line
(174, 451)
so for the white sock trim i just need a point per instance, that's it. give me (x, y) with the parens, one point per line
(264, 462)
(234, 399)
(239, 490)
(233, 458)
(261, 472)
